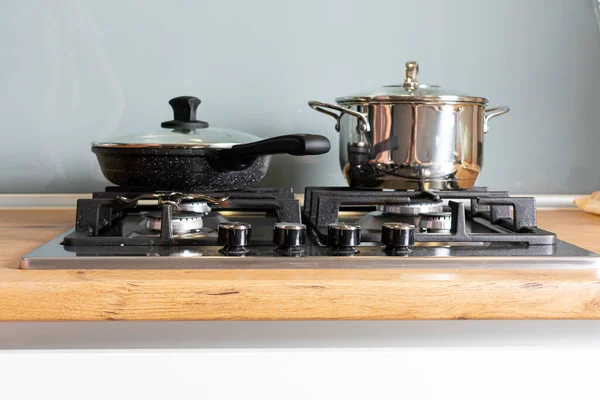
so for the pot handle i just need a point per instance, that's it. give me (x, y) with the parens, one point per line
(240, 156)
(490, 113)
(321, 107)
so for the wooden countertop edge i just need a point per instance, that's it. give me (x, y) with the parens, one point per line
(291, 294)
(306, 294)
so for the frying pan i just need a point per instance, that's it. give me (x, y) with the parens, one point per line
(188, 158)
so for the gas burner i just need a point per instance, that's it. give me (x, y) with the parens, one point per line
(413, 208)
(476, 215)
(199, 207)
(373, 221)
(119, 217)
(173, 198)
(435, 222)
(182, 222)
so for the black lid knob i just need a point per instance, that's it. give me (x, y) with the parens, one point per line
(184, 114)
(398, 236)
(286, 234)
(234, 234)
(340, 234)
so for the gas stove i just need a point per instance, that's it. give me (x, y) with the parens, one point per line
(336, 228)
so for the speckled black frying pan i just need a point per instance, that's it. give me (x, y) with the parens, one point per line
(201, 169)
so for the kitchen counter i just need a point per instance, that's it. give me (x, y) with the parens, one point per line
(88, 295)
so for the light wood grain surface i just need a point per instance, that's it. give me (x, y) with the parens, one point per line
(520, 293)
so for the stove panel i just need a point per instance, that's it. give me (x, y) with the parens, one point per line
(122, 229)
(561, 255)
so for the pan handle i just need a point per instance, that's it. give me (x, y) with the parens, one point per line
(240, 156)
(301, 144)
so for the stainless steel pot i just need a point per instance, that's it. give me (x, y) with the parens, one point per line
(411, 136)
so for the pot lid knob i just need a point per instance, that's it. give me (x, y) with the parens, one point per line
(184, 114)
(411, 75)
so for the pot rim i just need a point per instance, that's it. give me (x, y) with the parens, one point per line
(446, 99)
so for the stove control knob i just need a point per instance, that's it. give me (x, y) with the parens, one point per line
(398, 237)
(289, 237)
(233, 236)
(342, 237)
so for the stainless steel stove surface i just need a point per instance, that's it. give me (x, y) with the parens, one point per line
(337, 228)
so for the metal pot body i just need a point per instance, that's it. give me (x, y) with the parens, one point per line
(420, 146)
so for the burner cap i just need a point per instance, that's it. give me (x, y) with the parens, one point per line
(435, 222)
(200, 207)
(182, 222)
(414, 208)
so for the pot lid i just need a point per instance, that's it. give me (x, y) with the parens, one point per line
(183, 131)
(411, 91)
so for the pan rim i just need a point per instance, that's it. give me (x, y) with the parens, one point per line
(111, 145)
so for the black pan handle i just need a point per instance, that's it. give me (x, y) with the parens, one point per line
(241, 155)
(301, 144)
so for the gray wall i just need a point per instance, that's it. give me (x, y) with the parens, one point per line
(74, 71)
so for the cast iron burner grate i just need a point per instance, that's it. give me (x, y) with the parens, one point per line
(503, 218)
(110, 217)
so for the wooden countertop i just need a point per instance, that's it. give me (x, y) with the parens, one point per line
(520, 293)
